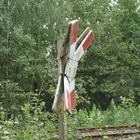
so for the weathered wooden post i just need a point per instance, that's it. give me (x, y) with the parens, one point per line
(62, 122)
(69, 52)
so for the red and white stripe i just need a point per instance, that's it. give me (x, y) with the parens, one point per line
(69, 93)
(73, 31)
(72, 37)
(83, 45)
(74, 55)
(69, 84)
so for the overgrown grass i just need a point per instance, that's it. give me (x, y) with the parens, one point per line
(35, 124)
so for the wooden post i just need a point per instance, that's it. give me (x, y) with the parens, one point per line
(62, 122)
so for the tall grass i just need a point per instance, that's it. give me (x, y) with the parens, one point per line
(35, 124)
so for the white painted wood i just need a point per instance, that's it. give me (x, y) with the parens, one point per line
(66, 90)
(80, 51)
(58, 95)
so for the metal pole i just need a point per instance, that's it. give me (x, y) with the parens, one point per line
(62, 122)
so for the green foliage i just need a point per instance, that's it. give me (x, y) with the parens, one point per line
(30, 29)
(106, 138)
(33, 123)
(12, 97)
(111, 67)
(28, 66)
(126, 114)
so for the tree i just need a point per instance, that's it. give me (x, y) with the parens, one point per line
(112, 64)
(30, 29)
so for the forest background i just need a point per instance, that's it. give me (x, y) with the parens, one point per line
(110, 70)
